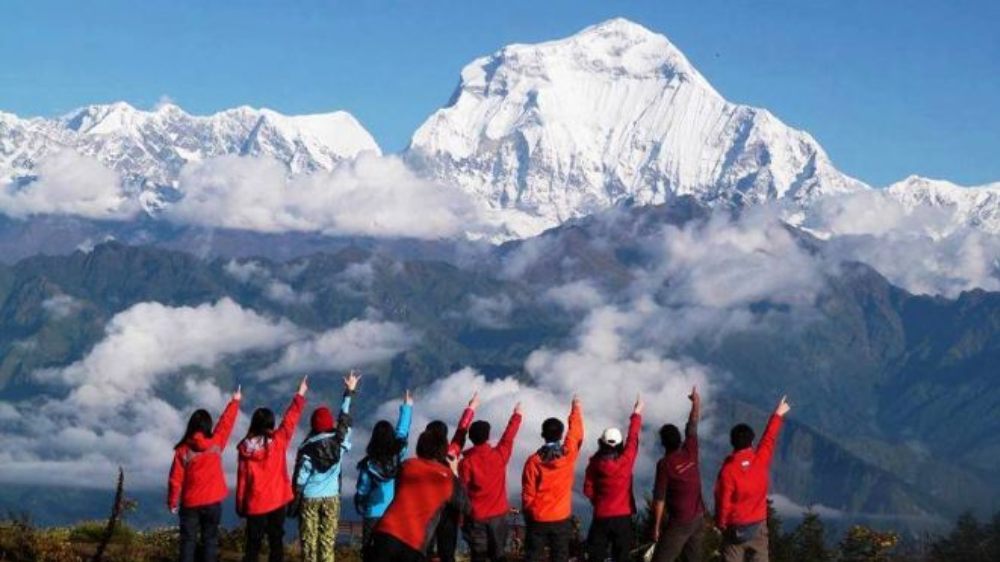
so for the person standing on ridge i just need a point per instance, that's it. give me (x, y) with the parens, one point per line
(424, 489)
(377, 472)
(608, 485)
(263, 488)
(741, 490)
(483, 471)
(197, 483)
(317, 477)
(678, 492)
(447, 529)
(547, 488)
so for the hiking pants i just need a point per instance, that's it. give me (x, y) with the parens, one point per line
(202, 520)
(272, 525)
(754, 549)
(613, 532)
(487, 539)
(318, 528)
(447, 534)
(554, 535)
(387, 548)
(680, 541)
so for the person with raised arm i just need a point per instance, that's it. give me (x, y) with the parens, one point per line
(741, 490)
(446, 534)
(425, 489)
(263, 489)
(608, 485)
(483, 471)
(317, 477)
(197, 483)
(677, 492)
(547, 488)
(377, 472)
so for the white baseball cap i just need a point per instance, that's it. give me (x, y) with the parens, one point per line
(611, 436)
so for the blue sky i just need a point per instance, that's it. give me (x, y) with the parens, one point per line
(889, 87)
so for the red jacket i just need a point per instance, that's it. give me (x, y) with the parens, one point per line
(484, 473)
(262, 483)
(458, 439)
(741, 490)
(678, 480)
(547, 480)
(423, 489)
(608, 482)
(196, 476)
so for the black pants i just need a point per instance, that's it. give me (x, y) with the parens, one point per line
(487, 539)
(271, 524)
(615, 533)
(387, 548)
(554, 535)
(680, 542)
(447, 534)
(204, 521)
(367, 526)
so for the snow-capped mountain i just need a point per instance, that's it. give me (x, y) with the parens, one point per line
(547, 132)
(978, 206)
(149, 148)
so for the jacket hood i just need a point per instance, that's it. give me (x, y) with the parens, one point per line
(199, 442)
(551, 452)
(380, 471)
(255, 448)
(323, 450)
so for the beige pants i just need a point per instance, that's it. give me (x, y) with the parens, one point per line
(754, 550)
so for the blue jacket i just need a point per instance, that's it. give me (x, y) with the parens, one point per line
(377, 481)
(318, 471)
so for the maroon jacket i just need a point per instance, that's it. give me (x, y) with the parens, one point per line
(678, 480)
(483, 470)
(196, 476)
(608, 482)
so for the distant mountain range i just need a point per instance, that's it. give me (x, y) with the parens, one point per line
(537, 134)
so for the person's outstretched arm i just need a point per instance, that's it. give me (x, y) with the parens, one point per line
(634, 429)
(574, 434)
(506, 444)
(344, 418)
(691, 431)
(458, 440)
(765, 449)
(224, 427)
(292, 414)
(403, 424)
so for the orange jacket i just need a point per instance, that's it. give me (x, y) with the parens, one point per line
(547, 480)
(741, 490)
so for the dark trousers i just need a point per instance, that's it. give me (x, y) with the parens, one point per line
(554, 535)
(367, 526)
(487, 539)
(272, 525)
(680, 542)
(387, 548)
(614, 533)
(204, 521)
(446, 534)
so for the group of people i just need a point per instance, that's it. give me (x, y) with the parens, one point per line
(412, 507)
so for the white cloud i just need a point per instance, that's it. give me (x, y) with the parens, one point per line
(578, 295)
(69, 183)
(60, 306)
(254, 274)
(490, 312)
(358, 343)
(370, 196)
(789, 509)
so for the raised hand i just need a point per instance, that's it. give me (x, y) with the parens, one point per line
(517, 408)
(639, 405)
(304, 386)
(576, 401)
(783, 407)
(351, 380)
(474, 402)
(453, 464)
(238, 395)
(408, 398)
(694, 397)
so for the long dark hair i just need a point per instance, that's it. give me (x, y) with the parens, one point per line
(199, 422)
(261, 424)
(383, 447)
